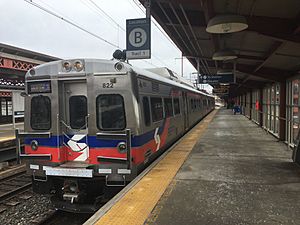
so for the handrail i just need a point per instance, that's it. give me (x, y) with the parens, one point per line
(19, 135)
(18, 146)
(269, 114)
(123, 136)
(74, 131)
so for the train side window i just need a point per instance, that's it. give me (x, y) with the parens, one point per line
(146, 109)
(157, 109)
(40, 118)
(168, 107)
(110, 112)
(78, 111)
(176, 106)
(192, 103)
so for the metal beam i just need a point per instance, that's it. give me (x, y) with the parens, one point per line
(247, 57)
(274, 48)
(194, 35)
(175, 29)
(271, 74)
(280, 29)
(209, 13)
(188, 37)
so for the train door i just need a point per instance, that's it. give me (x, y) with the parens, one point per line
(74, 123)
(185, 110)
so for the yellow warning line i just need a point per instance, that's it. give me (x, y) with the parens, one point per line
(136, 205)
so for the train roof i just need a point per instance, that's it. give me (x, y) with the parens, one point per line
(106, 66)
(180, 82)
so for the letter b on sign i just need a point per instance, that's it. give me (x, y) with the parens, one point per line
(137, 37)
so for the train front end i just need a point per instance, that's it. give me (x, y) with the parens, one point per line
(77, 136)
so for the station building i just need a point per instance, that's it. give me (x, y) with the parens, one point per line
(259, 41)
(14, 63)
(236, 172)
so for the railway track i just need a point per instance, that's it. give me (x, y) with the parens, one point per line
(64, 218)
(13, 185)
(17, 184)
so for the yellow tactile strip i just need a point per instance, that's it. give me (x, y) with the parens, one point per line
(136, 205)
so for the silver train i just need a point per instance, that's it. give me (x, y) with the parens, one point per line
(91, 126)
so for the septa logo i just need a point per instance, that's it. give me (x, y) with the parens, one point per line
(81, 148)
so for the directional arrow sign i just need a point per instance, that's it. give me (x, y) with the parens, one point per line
(216, 79)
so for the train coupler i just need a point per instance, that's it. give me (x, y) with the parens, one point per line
(72, 197)
(115, 180)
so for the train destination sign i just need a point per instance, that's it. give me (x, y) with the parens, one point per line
(138, 38)
(216, 79)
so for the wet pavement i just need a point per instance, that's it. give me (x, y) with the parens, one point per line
(236, 174)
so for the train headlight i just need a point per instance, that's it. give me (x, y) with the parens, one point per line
(119, 66)
(67, 66)
(78, 66)
(122, 147)
(34, 145)
(32, 72)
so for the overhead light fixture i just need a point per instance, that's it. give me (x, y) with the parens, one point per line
(223, 55)
(226, 24)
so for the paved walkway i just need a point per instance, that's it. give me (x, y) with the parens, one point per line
(236, 174)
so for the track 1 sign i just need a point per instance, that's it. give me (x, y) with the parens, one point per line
(138, 39)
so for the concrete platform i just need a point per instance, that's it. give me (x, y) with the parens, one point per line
(8, 142)
(7, 131)
(235, 174)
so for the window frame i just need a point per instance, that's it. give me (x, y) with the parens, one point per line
(162, 104)
(172, 107)
(50, 112)
(98, 117)
(71, 114)
(149, 109)
(179, 112)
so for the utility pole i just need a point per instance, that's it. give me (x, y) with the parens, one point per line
(148, 8)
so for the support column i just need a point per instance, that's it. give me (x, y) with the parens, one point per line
(245, 104)
(261, 116)
(282, 110)
(148, 8)
(250, 106)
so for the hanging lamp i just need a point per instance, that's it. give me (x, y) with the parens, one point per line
(221, 24)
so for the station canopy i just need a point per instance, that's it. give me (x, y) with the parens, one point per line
(258, 39)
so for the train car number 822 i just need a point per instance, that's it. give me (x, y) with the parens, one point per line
(107, 85)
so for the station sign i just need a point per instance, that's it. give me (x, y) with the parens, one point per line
(220, 91)
(217, 79)
(138, 38)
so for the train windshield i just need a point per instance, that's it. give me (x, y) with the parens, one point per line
(110, 112)
(40, 118)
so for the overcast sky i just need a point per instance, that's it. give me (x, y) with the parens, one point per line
(26, 26)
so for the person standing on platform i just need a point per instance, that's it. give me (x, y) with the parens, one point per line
(236, 109)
